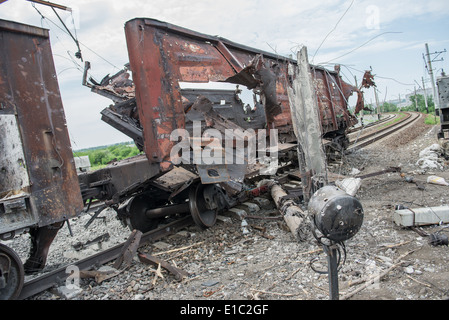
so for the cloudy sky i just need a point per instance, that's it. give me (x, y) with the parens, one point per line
(387, 36)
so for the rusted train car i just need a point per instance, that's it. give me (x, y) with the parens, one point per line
(150, 103)
(40, 188)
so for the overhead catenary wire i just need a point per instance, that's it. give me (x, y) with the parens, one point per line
(75, 38)
(79, 42)
(376, 75)
(78, 54)
(70, 57)
(362, 45)
(333, 29)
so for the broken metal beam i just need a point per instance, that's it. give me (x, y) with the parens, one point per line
(378, 173)
(129, 250)
(79, 245)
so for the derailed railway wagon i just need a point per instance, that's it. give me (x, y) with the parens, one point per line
(154, 101)
(40, 188)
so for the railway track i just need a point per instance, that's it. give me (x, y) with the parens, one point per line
(364, 140)
(59, 276)
(372, 124)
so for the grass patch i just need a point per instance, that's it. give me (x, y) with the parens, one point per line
(431, 119)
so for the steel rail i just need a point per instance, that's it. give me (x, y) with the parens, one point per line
(372, 124)
(58, 276)
(373, 133)
(379, 134)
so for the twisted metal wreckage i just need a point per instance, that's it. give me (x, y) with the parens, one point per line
(153, 104)
(146, 189)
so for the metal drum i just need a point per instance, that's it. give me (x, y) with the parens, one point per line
(336, 214)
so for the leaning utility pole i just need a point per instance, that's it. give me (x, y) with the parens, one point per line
(416, 102)
(432, 79)
(377, 100)
(425, 94)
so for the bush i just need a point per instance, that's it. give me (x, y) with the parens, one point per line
(100, 156)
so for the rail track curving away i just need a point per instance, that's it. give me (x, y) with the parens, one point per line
(382, 130)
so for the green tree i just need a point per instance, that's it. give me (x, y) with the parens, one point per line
(421, 103)
(124, 152)
(389, 107)
(100, 156)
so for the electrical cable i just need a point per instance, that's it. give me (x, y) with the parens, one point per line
(78, 54)
(365, 43)
(340, 247)
(376, 75)
(333, 29)
(79, 42)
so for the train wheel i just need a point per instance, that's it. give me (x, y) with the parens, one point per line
(11, 274)
(136, 210)
(203, 211)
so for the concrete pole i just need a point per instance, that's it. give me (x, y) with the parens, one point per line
(377, 100)
(416, 101)
(429, 65)
(306, 124)
(425, 94)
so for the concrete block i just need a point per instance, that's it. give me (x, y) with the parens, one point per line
(183, 233)
(162, 245)
(421, 216)
(224, 219)
(65, 292)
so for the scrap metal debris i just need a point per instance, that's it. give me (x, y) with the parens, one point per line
(80, 246)
(129, 250)
(149, 259)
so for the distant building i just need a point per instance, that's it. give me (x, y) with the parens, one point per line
(400, 103)
(429, 93)
(405, 102)
(82, 164)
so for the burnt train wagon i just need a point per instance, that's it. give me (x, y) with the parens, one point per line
(39, 185)
(164, 57)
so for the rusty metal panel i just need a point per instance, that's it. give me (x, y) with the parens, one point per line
(161, 55)
(159, 61)
(29, 93)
